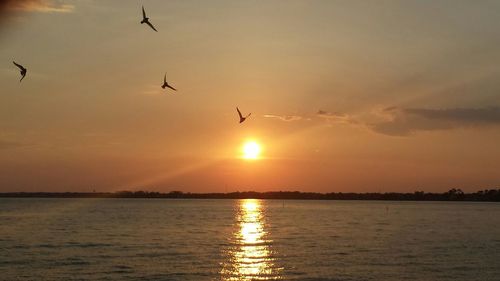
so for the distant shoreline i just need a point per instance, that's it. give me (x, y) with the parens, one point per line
(490, 195)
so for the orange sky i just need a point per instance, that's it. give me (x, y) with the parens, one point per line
(345, 95)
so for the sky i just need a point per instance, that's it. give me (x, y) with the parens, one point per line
(361, 96)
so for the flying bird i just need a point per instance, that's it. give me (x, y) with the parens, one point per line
(23, 70)
(145, 20)
(165, 84)
(241, 116)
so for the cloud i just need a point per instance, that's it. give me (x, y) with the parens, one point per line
(406, 121)
(397, 121)
(42, 6)
(286, 118)
(335, 117)
(320, 115)
(328, 116)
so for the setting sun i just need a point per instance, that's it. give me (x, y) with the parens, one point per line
(251, 150)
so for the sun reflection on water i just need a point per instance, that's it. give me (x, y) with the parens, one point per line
(250, 258)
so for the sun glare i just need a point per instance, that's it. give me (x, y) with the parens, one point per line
(251, 150)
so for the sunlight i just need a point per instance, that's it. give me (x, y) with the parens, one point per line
(252, 259)
(251, 150)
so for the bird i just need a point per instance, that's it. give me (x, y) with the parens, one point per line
(241, 116)
(23, 70)
(146, 20)
(165, 84)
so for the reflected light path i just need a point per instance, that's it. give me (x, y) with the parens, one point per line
(251, 257)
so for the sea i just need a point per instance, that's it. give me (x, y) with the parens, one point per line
(250, 239)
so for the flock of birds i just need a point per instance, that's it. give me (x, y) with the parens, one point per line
(145, 20)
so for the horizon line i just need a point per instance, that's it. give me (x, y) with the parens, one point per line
(487, 195)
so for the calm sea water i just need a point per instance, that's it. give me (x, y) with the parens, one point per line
(150, 239)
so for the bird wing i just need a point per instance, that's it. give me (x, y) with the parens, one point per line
(248, 115)
(165, 78)
(151, 25)
(171, 87)
(18, 65)
(143, 13)
(239, 112)
(22, 78)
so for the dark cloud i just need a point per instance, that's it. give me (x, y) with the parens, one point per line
(470, 116)
(403, 122)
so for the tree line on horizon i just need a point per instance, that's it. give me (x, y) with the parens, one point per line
(488, 195)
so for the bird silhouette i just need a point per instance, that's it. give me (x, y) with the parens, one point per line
(23, 70)
(145, 20)
(165, 84)
(241, 116)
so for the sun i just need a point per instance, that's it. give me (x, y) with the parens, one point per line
(251, 150)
